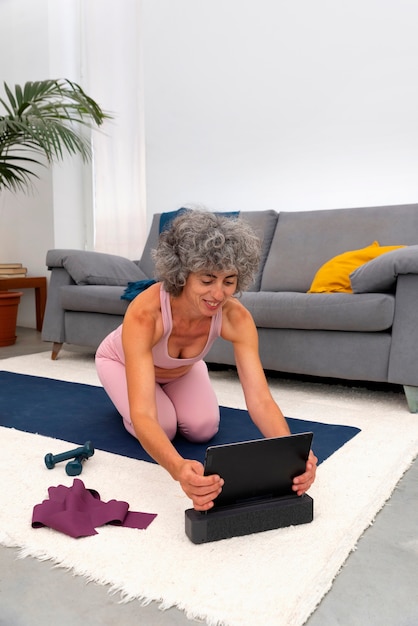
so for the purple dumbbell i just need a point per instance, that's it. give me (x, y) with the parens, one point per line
(78, 454)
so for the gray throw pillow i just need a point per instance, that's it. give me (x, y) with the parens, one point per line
(381, 273)
(99, 268)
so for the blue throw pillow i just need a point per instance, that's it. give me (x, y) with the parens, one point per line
(167, 218)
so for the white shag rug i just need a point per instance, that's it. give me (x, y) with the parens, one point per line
(275, 578)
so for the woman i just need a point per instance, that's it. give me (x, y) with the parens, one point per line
(152, 365)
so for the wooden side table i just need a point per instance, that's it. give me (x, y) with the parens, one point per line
(30, 282)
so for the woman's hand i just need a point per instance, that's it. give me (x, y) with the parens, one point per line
(202, 490)
(304, 481)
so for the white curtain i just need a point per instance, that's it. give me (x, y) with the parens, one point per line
(111, 72)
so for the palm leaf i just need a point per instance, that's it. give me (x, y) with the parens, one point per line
(13, 176)
(46, 118)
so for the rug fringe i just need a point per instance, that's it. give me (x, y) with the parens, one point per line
(125, 597)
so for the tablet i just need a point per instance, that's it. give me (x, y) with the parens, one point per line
(258, 469)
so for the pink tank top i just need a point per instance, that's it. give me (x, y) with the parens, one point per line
(111, 346)
(160, 350)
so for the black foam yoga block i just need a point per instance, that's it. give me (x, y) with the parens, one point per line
(244, 519)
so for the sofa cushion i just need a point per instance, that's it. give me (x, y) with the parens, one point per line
(305, 240)
(346, 312)
(94, 299)
(381, 273)
(98, 268)
(334, 275)
(262, 222)
(321, 311)
(146, 262)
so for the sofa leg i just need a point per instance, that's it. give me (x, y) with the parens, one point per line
(55, 350)
(411, 394)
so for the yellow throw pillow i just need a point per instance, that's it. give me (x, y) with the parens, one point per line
(334, 275)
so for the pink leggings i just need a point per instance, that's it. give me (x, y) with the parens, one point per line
(187, 404)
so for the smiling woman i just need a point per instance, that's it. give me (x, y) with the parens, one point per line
(152, 366)
(207, 242)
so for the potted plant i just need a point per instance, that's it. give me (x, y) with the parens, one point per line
(40, 122)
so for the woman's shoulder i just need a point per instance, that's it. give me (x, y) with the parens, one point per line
(143, 316)
(146, 304)
(238, 325)
(235, 314)
(149, 295)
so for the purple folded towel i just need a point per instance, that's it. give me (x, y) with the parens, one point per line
(76, 511)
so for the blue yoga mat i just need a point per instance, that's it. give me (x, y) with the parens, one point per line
(78, 413)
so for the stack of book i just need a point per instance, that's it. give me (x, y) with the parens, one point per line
(12, 270)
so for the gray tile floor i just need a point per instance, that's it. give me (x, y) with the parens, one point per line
(378, 586)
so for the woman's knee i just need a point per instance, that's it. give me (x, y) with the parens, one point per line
(200, 430)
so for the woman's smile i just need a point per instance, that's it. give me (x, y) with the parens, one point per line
(210, 290)
(212, 304)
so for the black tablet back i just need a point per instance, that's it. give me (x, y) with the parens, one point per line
(258, 469)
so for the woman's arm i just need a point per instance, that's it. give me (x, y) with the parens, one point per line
(239, 328)
(141, 330)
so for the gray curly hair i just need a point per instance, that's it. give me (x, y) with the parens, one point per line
(199, 240)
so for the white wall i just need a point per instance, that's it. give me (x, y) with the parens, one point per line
(38, 41)
(255, 104)
(249, 104)
(26, 221)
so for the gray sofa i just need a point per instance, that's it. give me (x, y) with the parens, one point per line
(369, 335)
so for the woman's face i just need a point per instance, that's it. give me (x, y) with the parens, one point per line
(209, 290)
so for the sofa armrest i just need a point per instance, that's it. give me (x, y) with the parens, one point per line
(53, 324)
(71, 267)
(55, 257)
(381, 273)
(403, 359)
(95, 268)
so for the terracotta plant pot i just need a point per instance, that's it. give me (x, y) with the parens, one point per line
(9, 304)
